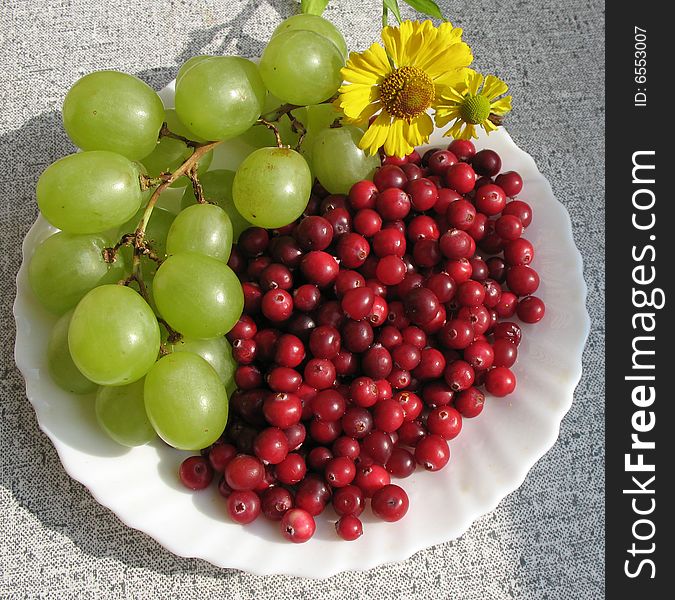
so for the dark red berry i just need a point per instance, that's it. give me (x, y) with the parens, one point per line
(196, 472)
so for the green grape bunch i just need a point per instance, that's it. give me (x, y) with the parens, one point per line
(141, 290)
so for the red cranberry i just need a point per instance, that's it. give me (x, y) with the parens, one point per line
(388, 415)
(352, 249)
(252, 297)
(508, 331)
(253, 241)
(244, 329)
(459, 375)
(490, 199)
(479, 355)
(291, 470)
(462, 149)
(390, 270)
(479, 269)
(431, 365)
(220, 454)
(271, 445)
(277, 305)
(411, 404)
(478, 316)
(445, 421)
(379, 312)
(389, 241)
(423, 194)
(295, 434)
(505, 353)
(511, 182)
(346, 446)
(290, 351)
(427, 253)
(509, 227)
(461, 214)
(531, 309)
(432, 452)
(340, 471)
(282, 410)
(519, 209)
(376, 362)
(248, 377)
(363, 391)
(244, 351)
(349, 528)
(486, 162)
(356, 304)
(276, 276)
(456, 334)
(500, 381)
(324, 432)
(406, 356)
(461, 177)
(345, 363)
(456, 244)
(318, 457)
(312, 495)
(320, 373)
(357, 336)
(389, 176)
(348, 500)
(440, 161)
(470, 402)
(411, 432)
(414, 336)
(362, 195)
(493, 293)
(306, 298)
(445, 198)
(275, 501)
(324, 341)
(243, 506)
(357, 422)
(477, 230)
(196, 473)
(470, 293)
(413, 171)
(371, 478)
(333, 202)
(393, 203)
(522, 280)
(283, 379)
(409, 283)
(297, 525)
(367, 222)
(319, 268)
(459, 270)
(286, 250)
(236, 262)
(401, 463)
(314, 233)
(244, 472)
(257, 265)
(437, 393)
(421, 304)
(328, 405)
(518, 252)
(390, 503)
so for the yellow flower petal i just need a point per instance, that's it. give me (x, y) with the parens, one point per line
(396, 144)
(369, 67)
(446, 114)
(396, 41)
(355, 98)
(376, 134)
(489, 126)
(501, 106)
(494, 87)
(418, 131)
(473, 81)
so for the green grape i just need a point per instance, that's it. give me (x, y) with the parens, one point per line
(217, 352)
(120, 411)
(197, 295)
(191, 62)
(260, 136)
(217, 188)
(316, 24)
(64, 267)
(186, 401)
(113, 336)
(168, 155)
(272, 186)
(89, 192)
(315, 118)
(301, 67)
(61, 366)
(221, 97)
(109, 110)
(338, 161)
(177, 126)
(202, 228)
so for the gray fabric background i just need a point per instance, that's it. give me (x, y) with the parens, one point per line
(544, 541)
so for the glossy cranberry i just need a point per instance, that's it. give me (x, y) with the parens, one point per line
(274, 502)
(320, 373)
(314, 233)
(393, 203)
(379, 312)
(519, 209)
(291, 470)
(500, 381)
(406, 356)
(445, 198)
(390, 270)
(370, 479)
(459, 270)
(445, 421)
(493, 293)
(431, 365)
(295, 435)
(470, 402)
(518, 252)
(531, 309)
(409, 283)
(411, 403)
(297, 525)
(401, 463)
(345, 363)
(244, 351)
(437, 393)
(244, 472)
(506, 307)
(256, 266)
(248, 405)
(319, 268)
(378, 445)
(271, 445)
(357, 303)
(376, 362)
(352, 249)
(312, 495)
(243, 506)
(362, 195)
(470, 293)
(196, 473)
(459, 375)
(461, 214)
(282, 410)
(368, 268)
(508, 330)
(432, 452)
(379, 289)
(349, 528)
(423, 194)
(486, 162)
(367, 222)
(491, 243)
(522, 280)
(421, 305)
(253, 241)
(478, 316)
(277, 305)
(389, 241)
(456, 334)
(286, 250)
(413, 171)
(357, 336)
(306, 297)
(236, 262)
(348, 500)
(427, 253)
(357, 422)
(456, 244)
(422, 227)
(477, 230)
(318, 457)
(324, 341)
(461, 177)
(244, 329)
(462, 149)
(505, 353)
(414, 336)
(399, 378)
(290, 351)
(490, 199)
(390, 503)
(328, 405)
(411, 432)
(509, 227)
(439, 162)
(340, 471)
(276, 276)
(333, 202)
(389, 337)
(283, 379)
(479, 355)
(346, 446)
(220, 454)
(389, 176)
(388, 416)
(252, 297)
(511, 182)
(363, 391)
(330, 313)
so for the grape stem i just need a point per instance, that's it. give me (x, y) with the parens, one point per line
(196, 185)
(271, 126)
(166, 132)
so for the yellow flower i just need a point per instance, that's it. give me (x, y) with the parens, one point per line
(470, 107)
(401, 82)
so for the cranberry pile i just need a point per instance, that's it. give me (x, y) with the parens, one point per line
(369, 327)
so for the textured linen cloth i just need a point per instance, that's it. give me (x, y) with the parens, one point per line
(544, 541)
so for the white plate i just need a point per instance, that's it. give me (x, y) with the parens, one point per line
(489, 460)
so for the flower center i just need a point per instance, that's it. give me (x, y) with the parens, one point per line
(407, 92)
(475, 109)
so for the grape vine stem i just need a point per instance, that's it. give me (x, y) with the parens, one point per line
(272, 127)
